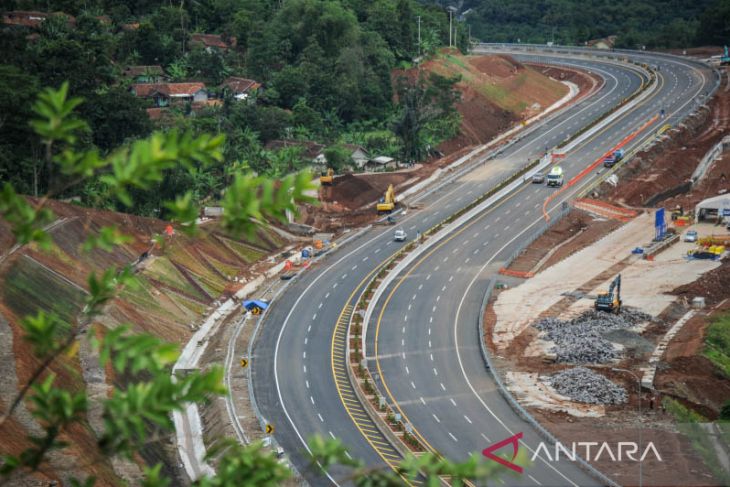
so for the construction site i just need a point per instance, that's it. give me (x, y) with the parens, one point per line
(614, 321)
(346, 201)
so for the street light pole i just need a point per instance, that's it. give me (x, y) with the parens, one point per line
(641, 425)
(451, 13)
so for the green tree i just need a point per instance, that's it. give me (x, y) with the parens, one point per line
(115, 116)
(338, 157)
(145, 394)
(426, 109)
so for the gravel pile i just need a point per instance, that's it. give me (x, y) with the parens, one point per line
(581, 340)
(584, 385)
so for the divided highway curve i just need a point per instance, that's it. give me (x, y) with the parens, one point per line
(421, 344)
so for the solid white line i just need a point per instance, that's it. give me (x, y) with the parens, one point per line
(534, 479)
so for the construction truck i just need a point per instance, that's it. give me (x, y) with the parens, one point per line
(610, 301)
(555, 176)
(386, 204)
(327, 178)
(613, 158)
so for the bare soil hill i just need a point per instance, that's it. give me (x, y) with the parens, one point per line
(179, 282)
(496, 93)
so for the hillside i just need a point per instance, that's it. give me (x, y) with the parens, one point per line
(179, 283)
(496, 92)
(650, 23)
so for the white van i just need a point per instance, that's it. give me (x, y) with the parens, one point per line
(555, 176)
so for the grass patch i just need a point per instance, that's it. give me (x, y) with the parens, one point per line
(29, 288)
(248, 254)
(454, 60)
(717, 343)
(689, 424)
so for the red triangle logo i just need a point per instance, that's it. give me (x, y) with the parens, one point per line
(512, 440)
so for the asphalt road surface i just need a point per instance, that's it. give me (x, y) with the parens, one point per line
(427, 352)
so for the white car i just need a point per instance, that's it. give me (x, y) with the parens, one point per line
(400, 235)
(690, 236)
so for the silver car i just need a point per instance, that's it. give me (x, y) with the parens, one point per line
(538, 178)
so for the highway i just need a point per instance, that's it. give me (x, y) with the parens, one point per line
(423, 346)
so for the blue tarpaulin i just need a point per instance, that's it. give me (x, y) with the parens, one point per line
(255, 303)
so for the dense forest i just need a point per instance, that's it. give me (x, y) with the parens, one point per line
(324, 67)
(636, 23)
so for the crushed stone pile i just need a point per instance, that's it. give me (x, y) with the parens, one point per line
(581, 340)
(583, 385)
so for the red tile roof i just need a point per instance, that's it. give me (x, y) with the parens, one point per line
(213, 40)
(241, 85)
(145, 90)
(30, 18)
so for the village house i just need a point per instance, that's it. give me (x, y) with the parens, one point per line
(381, 163)
(144, 74)
(241, 88)
(166, 94)
(212, 42)
(32, 19)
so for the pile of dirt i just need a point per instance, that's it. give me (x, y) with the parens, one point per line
(653, 175)
(350, 191)
(714, 286)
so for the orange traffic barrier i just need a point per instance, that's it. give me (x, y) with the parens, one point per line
(595, 164)
(520, 274)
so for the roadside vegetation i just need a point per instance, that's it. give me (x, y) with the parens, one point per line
(138, 411)
(635, 23)
(324, 69)
(717, 343)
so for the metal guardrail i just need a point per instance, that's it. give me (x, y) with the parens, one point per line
(522, 412)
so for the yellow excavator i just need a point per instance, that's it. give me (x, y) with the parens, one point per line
(386, 204)
(610, 301)
(327, 178)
